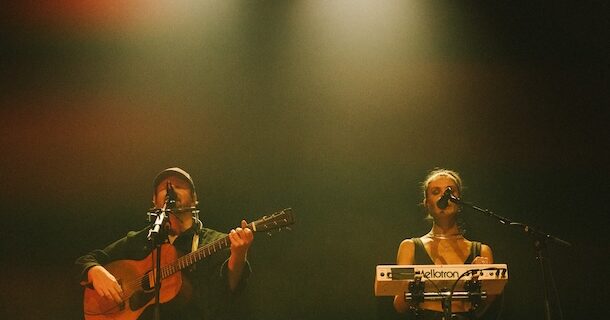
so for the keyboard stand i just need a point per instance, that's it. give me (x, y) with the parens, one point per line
(418, 295)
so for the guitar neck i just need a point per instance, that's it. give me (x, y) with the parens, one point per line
(276, 221)
(205, 251)
(209, 249)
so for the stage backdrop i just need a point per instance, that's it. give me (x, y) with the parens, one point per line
(336, 109)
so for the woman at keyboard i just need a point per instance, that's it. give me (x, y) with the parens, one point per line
(444, 244)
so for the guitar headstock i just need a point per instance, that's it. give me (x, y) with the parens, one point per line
(276, 221)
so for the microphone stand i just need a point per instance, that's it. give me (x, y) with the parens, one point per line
(540, 240)
(154, 236)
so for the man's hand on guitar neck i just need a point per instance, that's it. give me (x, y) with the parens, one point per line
(241, 239)
(105, 283)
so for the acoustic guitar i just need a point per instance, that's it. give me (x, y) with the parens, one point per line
(137, 277)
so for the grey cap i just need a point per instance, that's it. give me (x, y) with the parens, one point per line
(176, 172)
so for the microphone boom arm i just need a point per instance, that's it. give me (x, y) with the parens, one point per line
(539, 238)
(503, 220)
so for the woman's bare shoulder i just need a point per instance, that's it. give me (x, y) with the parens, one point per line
(405, 252)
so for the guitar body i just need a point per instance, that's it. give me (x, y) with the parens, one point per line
(137, 280)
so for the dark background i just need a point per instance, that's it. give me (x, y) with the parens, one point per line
(334, 108)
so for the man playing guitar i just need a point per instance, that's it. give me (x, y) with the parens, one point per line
(120, 277)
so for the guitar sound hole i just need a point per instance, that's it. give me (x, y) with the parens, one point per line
(141, 297)
(146, 284)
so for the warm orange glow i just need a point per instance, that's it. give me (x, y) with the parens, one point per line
(81, 14)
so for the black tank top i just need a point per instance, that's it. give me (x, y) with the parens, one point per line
(421, 255)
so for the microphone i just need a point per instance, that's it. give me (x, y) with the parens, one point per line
(162, 214)
(170, 196)
(443, 202)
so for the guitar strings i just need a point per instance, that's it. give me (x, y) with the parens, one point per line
(179, 264)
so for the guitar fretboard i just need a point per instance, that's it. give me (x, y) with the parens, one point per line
(275, 221)
(189, 259)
